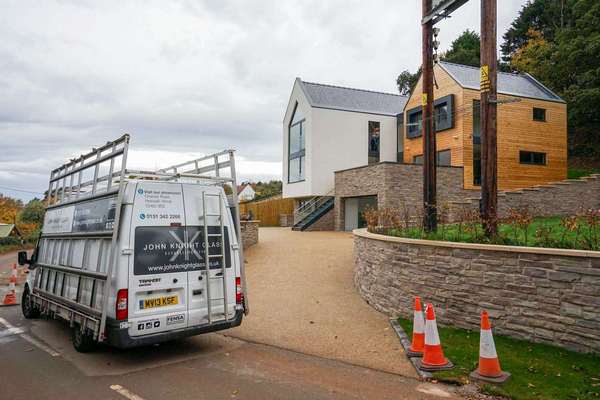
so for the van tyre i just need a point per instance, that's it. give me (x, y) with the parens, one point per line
(82, 340)
(29, 310)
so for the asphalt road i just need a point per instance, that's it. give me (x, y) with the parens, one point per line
(37, 361)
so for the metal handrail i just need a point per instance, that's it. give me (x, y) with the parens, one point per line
(310, 206)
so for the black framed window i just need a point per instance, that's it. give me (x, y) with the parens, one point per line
(374, 141)
(476, 143)
(532, 157)
(415, 122)
(400, 138)
(444, 158)
(539, 114)
(296, 147)
(443, 113)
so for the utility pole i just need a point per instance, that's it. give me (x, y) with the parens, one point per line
(489, 97)
(429, 159)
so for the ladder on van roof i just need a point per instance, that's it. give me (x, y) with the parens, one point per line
(101, 174)
(96, 175)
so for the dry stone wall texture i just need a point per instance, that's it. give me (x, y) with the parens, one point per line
(550, 298)
(249, 233)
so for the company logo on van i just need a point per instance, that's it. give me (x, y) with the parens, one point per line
(140, 191)
(142, 216)
(175, 319)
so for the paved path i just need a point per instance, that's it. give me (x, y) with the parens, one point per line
(302, 298)
(38, 362)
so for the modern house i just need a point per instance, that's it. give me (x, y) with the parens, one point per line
(346, 149)
(246, 192)
(532, 127)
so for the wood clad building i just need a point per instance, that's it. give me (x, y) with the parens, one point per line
(532, 128)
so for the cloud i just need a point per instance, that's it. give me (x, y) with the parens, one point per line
(188, 77)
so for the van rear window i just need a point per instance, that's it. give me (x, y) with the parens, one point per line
(167, 249)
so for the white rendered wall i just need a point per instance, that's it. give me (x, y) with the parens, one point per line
(340, 141)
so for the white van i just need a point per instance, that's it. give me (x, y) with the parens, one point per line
(134, 257)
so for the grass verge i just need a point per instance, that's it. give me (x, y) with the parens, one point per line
(539, 371)
(576, 173)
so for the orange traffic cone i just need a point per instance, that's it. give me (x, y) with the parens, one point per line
(418, 336)
(489, 365)
(433, 355)
(10, 298)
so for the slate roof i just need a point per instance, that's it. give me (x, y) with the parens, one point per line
(523, 85)
(349, 99)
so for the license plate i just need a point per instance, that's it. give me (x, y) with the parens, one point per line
(159, 302)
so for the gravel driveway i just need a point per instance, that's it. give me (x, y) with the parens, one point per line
(302, 298)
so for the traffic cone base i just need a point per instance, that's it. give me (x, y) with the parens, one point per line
(432, 368)
(503, 377)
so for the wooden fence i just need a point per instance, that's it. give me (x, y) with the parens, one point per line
(267, 211)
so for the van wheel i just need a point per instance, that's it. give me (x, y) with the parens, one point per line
(83, 342)
(29, 310)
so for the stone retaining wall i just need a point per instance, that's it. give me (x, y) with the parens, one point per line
(249, 233)
(395, 184)
(325, 223)
(560, 198)
(542, 295)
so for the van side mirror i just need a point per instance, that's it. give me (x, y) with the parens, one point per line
(22, 258)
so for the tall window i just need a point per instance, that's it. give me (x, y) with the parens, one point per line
(374, 136)
(296, 147)
(476, 143)
(400, 137)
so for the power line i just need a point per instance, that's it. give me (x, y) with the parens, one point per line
(20, 190)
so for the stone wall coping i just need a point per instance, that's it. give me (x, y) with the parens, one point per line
(392, 163)
(476, 246)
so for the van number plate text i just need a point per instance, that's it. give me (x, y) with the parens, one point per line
(159, 302)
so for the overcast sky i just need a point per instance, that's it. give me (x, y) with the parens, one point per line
(186, 78)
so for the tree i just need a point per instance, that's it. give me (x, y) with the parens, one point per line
(568, 61)
(9, 208)
(545, 16)
(33, 212)
(464, 49)
(407, 81)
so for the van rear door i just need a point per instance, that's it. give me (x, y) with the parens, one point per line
(158, 282)
(198, 292)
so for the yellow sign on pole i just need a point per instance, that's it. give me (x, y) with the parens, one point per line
(424, 99)
(485, 84)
